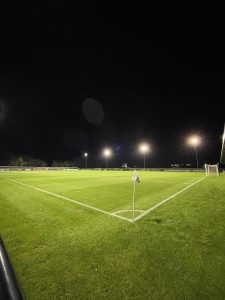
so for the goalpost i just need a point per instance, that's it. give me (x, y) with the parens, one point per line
(211, 170)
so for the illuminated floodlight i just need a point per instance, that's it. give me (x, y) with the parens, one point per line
(86, 154)
(194, 140)
(144, 148)
(107, 152)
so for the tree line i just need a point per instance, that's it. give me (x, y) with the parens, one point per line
(26, 160)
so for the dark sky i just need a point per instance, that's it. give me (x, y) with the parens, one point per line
(77, 79)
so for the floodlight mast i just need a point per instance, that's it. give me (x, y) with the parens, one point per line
(194, 141)
(86, 156)
(196, 154)
(144, 149)
(107, 153)
(222, 155)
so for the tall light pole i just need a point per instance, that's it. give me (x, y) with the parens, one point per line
(222, 155)
(195, 141)
(86, 156)
(144, 149)
(107, 153)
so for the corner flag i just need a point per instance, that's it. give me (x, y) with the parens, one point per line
(135, 179)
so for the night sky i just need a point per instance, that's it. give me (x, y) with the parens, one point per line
(78, 79)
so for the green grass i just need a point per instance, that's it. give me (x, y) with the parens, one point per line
(61, 250)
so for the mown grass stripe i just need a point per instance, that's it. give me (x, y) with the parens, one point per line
(71, 200)
(166, 200)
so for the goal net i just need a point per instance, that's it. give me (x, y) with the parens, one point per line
(211, 170)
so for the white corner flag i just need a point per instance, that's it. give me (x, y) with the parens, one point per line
(135, 179)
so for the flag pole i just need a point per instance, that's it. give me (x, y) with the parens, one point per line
(134, 190)
(134, 199)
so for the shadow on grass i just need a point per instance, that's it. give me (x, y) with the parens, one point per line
(156, 220)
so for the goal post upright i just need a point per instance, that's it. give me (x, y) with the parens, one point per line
(206, 169)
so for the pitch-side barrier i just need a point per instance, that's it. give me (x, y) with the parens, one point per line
(28, 168)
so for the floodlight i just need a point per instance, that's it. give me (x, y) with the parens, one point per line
(195, 140)
(107, 152)
(144, 148)
(85, 154)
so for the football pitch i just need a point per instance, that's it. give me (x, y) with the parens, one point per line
(72, 235)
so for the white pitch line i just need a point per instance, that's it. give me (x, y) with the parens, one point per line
(125, 210)
(166, 181)
(167, 199)
(71, 200)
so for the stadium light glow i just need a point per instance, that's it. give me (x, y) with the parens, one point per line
(144, 148)
(86, 154)
(107, 153)
(195, 140)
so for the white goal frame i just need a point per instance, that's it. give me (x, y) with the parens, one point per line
(208, 169)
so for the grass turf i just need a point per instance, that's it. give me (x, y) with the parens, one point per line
(63, 251)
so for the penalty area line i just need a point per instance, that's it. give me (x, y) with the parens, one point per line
(167, 199)
(71, 200)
